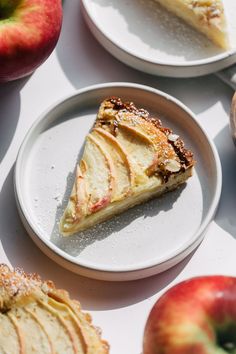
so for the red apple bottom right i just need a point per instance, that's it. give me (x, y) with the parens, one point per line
(196, 316)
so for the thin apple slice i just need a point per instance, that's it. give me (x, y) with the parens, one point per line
(147, 131)
(141, 153)
(123, 171)
(99, 174)
(77, 206)
(8, 330)
(93, 187)
(81, 193)
(164, 157)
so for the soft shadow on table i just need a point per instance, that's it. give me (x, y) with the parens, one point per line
(83, 59)
(226, 216)
(85, 62)
(15, 241)
(93, 294)
(9, 113)
(101, 296)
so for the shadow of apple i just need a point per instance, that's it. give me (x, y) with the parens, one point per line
(10, 112)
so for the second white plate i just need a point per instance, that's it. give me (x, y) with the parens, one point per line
(143, 241)
(143, 35)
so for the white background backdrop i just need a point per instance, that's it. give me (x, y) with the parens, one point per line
(120, 309)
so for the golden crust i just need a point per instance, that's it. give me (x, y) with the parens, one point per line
(23, 295)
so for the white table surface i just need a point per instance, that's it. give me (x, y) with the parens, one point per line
(120, 309)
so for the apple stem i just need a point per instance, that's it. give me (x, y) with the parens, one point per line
(230, 347)
(7, 7)
(226, 336)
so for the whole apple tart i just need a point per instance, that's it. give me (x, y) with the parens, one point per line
(197, 316)
(35, 317)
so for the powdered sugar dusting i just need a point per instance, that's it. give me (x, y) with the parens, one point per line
(16, 284)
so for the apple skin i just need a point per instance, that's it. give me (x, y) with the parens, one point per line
(29, 31)
(197, 316)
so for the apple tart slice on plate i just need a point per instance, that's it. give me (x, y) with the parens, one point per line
(128, 158)
(206, 16)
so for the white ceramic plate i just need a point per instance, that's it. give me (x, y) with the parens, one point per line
(143, 241)
(143, 35)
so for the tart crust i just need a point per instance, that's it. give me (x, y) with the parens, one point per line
(129, 158)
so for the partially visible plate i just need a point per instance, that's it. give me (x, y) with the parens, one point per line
(143, 35)
(143, 241)
(233, 118)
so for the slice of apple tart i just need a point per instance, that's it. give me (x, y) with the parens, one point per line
(128, 158)
(206, 16)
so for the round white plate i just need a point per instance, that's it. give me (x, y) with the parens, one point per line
(145, 36)
(143, 241)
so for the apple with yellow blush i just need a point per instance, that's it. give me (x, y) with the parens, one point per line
(197, 316)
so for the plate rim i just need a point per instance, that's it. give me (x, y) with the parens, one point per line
(195, 238)
(219, 58)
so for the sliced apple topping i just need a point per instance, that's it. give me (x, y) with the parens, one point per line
(157, 154)
(124, 175)
(78, 200)
(140, 137)
(81, 195)
(140, 152)
(99, 175)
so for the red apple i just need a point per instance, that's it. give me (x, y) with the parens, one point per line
(29, 30)
(197, 316)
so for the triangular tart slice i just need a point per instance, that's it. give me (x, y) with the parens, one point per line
(206, 16)
(128, 158)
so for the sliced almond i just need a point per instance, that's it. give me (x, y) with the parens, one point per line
(173, 137)
(172, 165)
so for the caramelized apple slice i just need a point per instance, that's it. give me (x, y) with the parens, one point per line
(99, 174)
(93, 186)
(124, 176)
(77, 205)
(158, 151)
